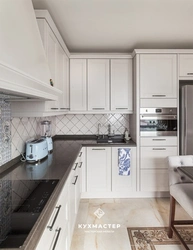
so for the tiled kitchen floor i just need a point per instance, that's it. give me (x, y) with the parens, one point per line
(143, 212)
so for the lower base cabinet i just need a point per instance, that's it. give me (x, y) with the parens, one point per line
(153, 168)
(122, 183)
(55, 235)
(102, 173)
(58, 233)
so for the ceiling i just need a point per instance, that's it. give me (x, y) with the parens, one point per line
(122, 25)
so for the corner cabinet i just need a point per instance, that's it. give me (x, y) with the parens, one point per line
(158, 75)
(98, 85)
(121, 85)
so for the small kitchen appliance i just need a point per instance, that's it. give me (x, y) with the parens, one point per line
(46, 134)
(36, 150)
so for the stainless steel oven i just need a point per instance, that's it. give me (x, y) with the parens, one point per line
(158, 122)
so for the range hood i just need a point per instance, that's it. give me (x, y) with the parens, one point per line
(24, 70)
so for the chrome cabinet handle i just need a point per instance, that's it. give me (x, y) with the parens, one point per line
(98, 148)
(158, 139)
(159, 148)
(121, 108)
(76, 178)
(158, 95)
(80, 165)
(80, 154)
(56, 240)
(76, 164)
(55, 217)
(98, 108)
(55, 108)
(65, 108)
(189, 73)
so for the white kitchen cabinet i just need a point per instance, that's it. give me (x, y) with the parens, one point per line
(186, 65)
(159, 141)
(154, 157)
(98, 85)
(78, 85)
(56, 231)
(121, 183)
(158, 76)
(58, 63)
(75, 183)
(98, 169)
(152, 180)
(121, 85)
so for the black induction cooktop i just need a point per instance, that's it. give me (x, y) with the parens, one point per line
(22, 201)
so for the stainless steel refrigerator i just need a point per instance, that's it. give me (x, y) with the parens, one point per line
(186, 120)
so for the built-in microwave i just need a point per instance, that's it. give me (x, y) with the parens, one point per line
(158, 122)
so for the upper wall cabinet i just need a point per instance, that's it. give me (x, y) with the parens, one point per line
(186, 66)
(158, 76)
(78, 85)
(57, 59)
(101, 85)
(98, 84)
(121, 85)
(23, 67)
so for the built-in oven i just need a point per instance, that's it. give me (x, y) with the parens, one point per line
(158, 122)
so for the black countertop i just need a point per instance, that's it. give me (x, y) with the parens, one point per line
(57, 165)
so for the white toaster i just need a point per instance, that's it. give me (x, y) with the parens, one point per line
(36, 150)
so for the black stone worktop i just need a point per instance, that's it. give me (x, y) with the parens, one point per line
(56, 166)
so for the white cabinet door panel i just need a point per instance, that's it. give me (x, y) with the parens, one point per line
(123, 183)
(155, 157)
(98, 84)
(186, 65)
(159, 141)
(154, 180)
(78, 91)
(121, 85)
(98, 169)
(158, 76)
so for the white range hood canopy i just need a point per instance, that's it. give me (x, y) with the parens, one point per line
(24, 69)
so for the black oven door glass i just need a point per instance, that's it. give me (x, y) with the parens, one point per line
(158, 125)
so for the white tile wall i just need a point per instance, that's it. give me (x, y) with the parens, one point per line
(88, 124)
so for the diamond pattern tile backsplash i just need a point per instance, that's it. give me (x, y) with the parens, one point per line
(23, 129)
(14, 132)
(88, 124)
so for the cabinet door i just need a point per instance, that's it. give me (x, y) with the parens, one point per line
(123, 183)
(51, 52)
(158, 76)
(98, 84)
(98, 169)
(152, 180)
(186, 65)
(62, 78)
(78, 93)
(155, 157)
(56, 230)
(121, 85)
